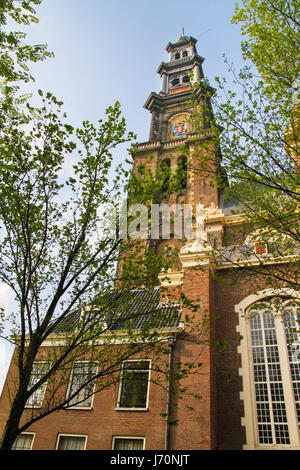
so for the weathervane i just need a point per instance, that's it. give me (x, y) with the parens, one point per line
(182, 36)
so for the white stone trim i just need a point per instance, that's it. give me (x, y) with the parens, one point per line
(168, 279)
(140, 438)
(195, 253)
(118, 337)
(235, 219)
(263, 294)
(258, 260)
(70, 435)
(190, 260)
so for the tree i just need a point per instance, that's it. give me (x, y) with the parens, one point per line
(272, 44)
(15, 54)
(259, 142)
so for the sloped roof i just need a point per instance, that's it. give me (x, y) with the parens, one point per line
(231, 205)
(134, 309)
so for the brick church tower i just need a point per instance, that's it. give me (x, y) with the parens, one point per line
(174, 141)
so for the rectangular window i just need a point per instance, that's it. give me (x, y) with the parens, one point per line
(133, 390)
(23, 442)
(128, 443)
(71, 442)
(82, 372)
(39, 369)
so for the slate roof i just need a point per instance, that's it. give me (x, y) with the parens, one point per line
(230, 201)
(134, 309)
(229, 206)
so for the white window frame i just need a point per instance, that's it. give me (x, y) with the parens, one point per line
(27, 434)
(249, 421)
(137, 438)
(70, 435)
(121, 408)
(79, 406)
(40, 391)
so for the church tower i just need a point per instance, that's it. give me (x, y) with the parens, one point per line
(178, 142)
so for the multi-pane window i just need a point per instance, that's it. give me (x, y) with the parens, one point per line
(69, 442)
(186, 79)
(275, 370)
(128, 443)
(82, 384)
(133, 391)
(39, 370)
(291, 328)
(23, 442)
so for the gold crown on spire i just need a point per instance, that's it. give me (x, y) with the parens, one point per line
(182, 36)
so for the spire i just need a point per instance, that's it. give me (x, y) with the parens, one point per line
(183, 37)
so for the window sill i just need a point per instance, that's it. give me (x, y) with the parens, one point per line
(131, 409)
(79, 408)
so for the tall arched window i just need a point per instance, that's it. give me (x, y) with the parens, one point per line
(165, 173)
(271, 373)
(181, 172)
(175, 82)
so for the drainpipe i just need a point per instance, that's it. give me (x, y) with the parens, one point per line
(171, 343)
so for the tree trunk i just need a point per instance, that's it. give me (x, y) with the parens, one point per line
(11, 430)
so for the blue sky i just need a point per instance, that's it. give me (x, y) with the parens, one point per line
(110, 50)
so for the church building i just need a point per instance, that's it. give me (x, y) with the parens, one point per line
(246, 394)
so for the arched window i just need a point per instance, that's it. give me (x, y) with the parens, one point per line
(175, 82)
(184, 54)
(186, 79)
(271, 373)
(181, 172)
(164, 174)
(177, 55)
